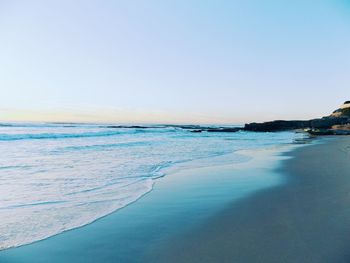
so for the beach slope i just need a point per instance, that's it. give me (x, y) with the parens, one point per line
(305, 220)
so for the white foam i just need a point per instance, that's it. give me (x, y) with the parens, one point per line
(50, 185)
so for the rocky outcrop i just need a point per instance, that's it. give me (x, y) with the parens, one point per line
(323, 123)
(278, 125)
(328, 122)
(322, 126)
(334, 130)
(344, 110)
(328, 132)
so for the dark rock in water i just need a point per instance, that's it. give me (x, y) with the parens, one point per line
(328, 122)
(129, 127)
(328, 132)
(320, 132)
(185, 127)
(217, 129)
(341, 132)
(191, 128)
(335, 130)
(196, 131)
(278, 125)
(223, 129)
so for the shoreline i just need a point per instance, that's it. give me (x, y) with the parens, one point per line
(221, 160)
(304, 220)
(201, 200)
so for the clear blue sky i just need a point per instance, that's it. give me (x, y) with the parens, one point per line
(173, 61)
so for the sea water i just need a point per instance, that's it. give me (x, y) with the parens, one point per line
(55, 177)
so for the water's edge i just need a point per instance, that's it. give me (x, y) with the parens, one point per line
(277, 152)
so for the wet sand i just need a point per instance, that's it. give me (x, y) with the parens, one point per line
(306, 219)
(179, 203)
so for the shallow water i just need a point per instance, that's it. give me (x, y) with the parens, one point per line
(58, 177)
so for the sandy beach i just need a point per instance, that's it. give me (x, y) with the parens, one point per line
(180, 202)
(292, 207)
(305, 220)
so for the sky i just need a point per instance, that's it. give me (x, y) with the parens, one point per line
(184, 61)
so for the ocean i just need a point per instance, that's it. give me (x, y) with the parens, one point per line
(56, 177)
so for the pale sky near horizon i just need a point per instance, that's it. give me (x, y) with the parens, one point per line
(173, 61)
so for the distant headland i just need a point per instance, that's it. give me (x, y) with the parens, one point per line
(338, 123)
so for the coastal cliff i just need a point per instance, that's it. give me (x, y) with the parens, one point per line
(338, 123)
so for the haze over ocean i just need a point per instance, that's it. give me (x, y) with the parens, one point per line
(163, 61)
